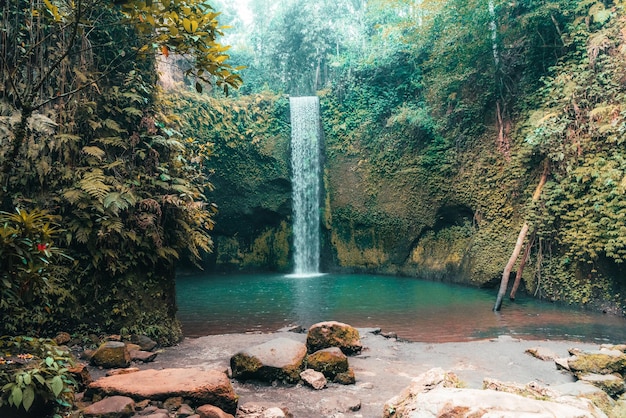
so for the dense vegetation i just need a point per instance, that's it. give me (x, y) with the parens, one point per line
(489, 94)
(441, 117)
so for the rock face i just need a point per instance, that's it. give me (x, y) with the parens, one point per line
(334, 334)
(278, 359)
(111, 354)
(199, 387)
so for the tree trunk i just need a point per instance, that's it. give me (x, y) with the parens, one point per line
(520, 242)
(522, 264)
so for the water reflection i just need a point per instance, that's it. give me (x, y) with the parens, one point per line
(414, 309)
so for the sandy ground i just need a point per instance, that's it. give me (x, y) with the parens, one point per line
(382, 370)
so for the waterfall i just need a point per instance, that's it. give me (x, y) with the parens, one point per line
(305, 163)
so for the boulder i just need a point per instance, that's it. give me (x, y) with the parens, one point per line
(400, 405)
(111, 355)
(334, 334)
(143, 356)
(456, 402)
(330, 361)
(211, 411)
(199, 387)
(277, 359)
(436, 394)
(146, 343)
(111, 407)
(601, 362)
(613, 385)
(314, 379)
(345, 378)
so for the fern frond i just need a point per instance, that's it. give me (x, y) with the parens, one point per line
(113, 141)
(93, 183)
(94, 152)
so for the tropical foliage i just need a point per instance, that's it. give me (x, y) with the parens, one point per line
(86, 143)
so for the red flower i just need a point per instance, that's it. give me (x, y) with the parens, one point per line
(42, 247)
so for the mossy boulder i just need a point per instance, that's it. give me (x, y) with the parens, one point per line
(329, 361)
(334, 334)
(278, 359)
(111, 355)
(612, 384)
(601, 362)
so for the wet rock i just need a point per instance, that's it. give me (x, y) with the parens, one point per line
(345, 378)
(277, 359)
(146, 343)
(143, 356)
(611, 384)
(314, 379)
(110, 355)
(329, 361)
(111, 407)
(601, 362)
(333, 334)
(199, 387)
(211, 411)
(262, 410)
(542, 353)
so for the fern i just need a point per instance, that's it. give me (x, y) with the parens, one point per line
(93, 183)
(94, 151)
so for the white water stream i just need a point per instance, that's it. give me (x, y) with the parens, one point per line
(305, 162)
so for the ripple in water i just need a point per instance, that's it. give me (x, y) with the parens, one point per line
(414, 309)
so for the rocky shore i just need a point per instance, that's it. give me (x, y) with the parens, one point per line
(505, 375)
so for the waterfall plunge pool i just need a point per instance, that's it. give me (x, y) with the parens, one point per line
(414, 309)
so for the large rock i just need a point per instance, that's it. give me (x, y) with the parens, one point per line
(278, 359)
(111, 355)
(111, 407)
(601, 362)
(334, 334)
(199, 387)
(314, 379)
(456, 402)
(436, 394)
(330, 361)
(611, 384)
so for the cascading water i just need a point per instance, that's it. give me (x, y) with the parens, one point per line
(305, 163)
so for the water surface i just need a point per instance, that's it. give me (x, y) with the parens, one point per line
(414, 309)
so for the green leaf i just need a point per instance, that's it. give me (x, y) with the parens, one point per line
(16, 396)
(49, 361)
(56, 385)
(28, 397)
